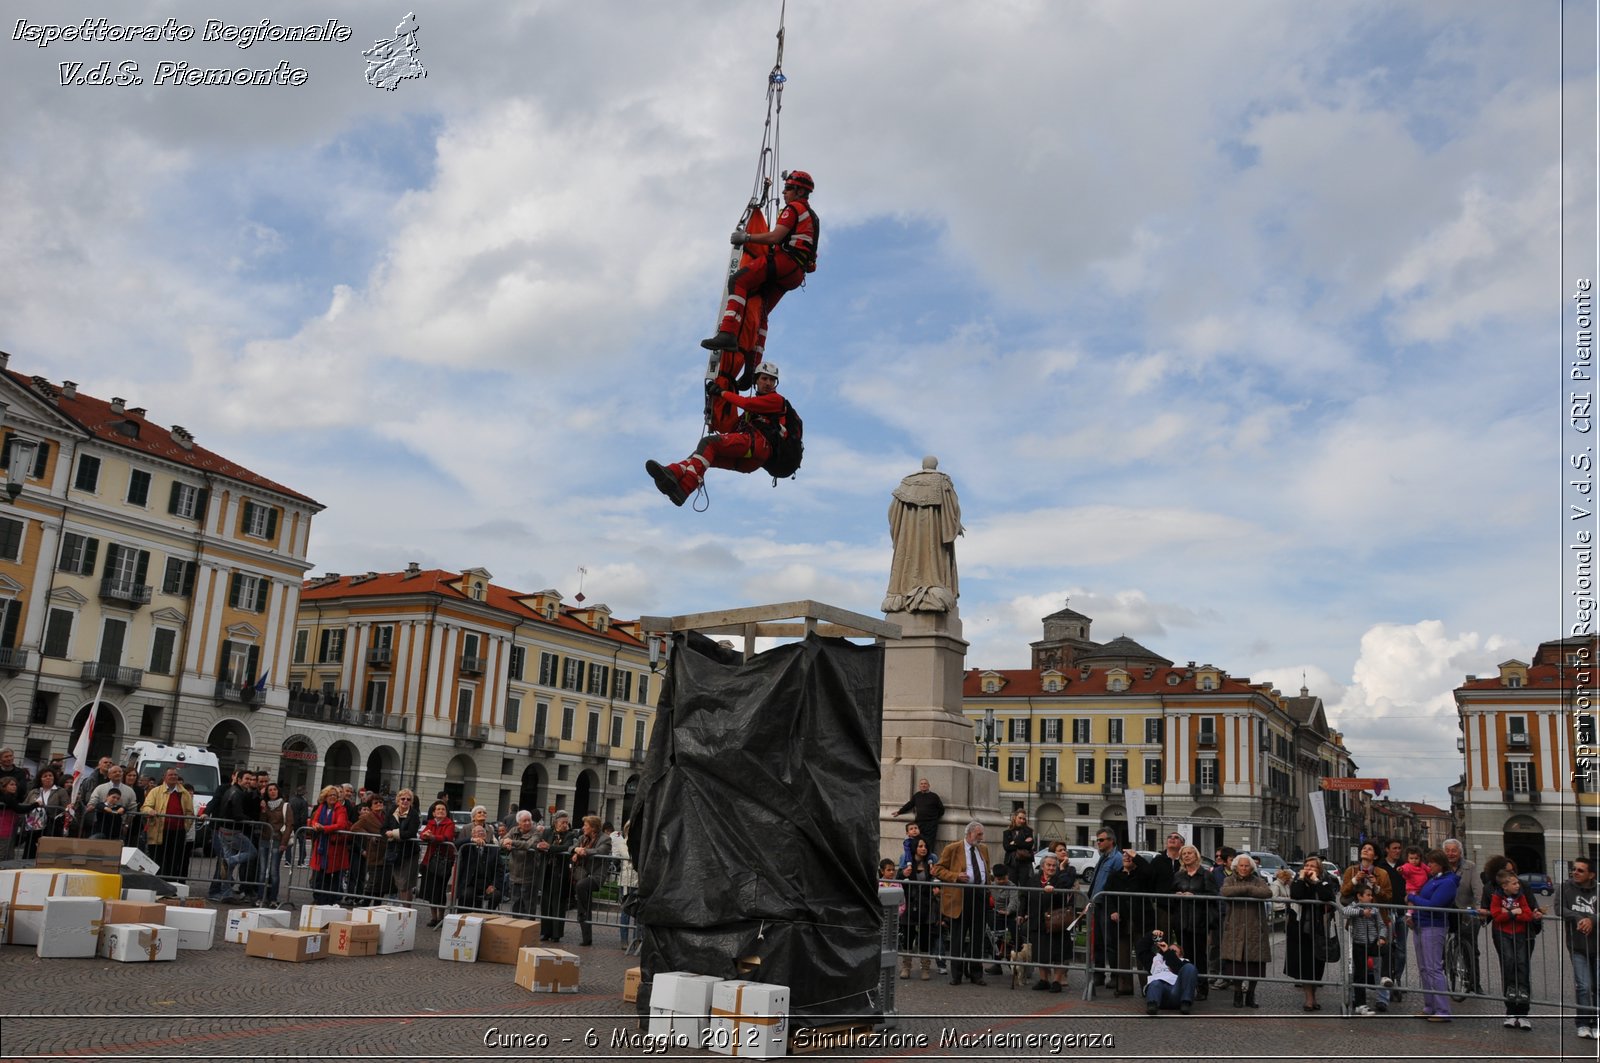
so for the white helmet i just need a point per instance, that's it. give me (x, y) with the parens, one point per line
(767, 369)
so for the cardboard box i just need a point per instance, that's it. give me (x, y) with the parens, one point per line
(243, 920)
(138, 942)
(352, 939)
(135, 912)
(136, 860)
(749, 1019)
(460, 936)
(397, 926)
(24, 892)
(318, 916)
(196, 927)
(141, 896)
(547, 970)
(87, 854)
(70, 927)
(503, 939)
(630, 985)
(182, 902)
(680, 1006)
(293, 946)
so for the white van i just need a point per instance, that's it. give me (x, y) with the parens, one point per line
(197, 764)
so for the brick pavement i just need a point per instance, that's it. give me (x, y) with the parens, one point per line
(221, 1004)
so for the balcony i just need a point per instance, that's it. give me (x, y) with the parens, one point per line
(472, 665)
(543, 743)
(238, 693)
(1517, 739)
(1520, 797)
(1113, 787)
(473, 734)
(326, 706)
(636, 758)
(124, 591)
(13, 660)
(1050, 788)
(1207, 739)
(596, 751)
(380, 656)
(116, 675)
(1204, 789)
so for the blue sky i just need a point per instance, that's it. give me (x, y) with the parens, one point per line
(1230, 321)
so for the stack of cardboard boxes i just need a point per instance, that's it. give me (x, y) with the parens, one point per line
(731, 1017)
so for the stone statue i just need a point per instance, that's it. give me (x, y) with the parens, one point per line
(924, 520)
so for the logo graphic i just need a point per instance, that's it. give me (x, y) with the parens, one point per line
(393, 61)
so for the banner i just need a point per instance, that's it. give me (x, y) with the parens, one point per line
(1319, 816)
(1377, 786)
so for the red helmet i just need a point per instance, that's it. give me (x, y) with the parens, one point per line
(799, 179)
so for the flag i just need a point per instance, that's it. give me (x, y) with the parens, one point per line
(80, 752)
(261, 684)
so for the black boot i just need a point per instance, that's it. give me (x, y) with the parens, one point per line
(1250, 996)
(666, 483)
(722, 341)
(1238, 998)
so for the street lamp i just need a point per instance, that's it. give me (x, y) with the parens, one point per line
(988, 739)
(21, 455)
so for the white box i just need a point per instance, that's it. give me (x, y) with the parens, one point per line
(243, 920)
(135, 860)
(70, 927)
(749, 1019)
(318, 916)
(138, 942)
(182, 888)
(680, 1006)
(196, 927)
(459, 937)
(25, 890)
(397, 926)
(141, 896)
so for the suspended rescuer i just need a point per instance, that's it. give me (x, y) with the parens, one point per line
(794, 254)
(762, 427)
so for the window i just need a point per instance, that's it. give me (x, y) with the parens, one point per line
(330, 647)
(990, 762)
(150, 721)
(10, 539)
(376, 699)
(599, 679)
(1207, 773)
(1208, 730)
(88, 478)
(126, 567)
(259, 522)
(616, 730)
(547, 669)
(463, 707)
(162, 644)
(302, 639)
(44, 704)
(592, 735)
(187, 501)
(1085, 771)
(541, 717)
(1050, 729)
(1115, 726)
(1016, 769)
(11, 611)
(1117, 773)
(1080, 732)
(1208, 682)
(178, 578)
(41, 457)
(78, 554)
(638, 736)
(1048, 769)
(237, 663)
(518, 661)
(1152, 771)
(248, 593)
(57, 633)
(470, 644)
(1584, 725)
(1020, 729)
(571, 674)
(1155, 730)
(1519, 777)
(1517, 724)
(513, 714)
(644, 690)
(139, 490)
(569, 715)
(1514, 681)
(622, 685)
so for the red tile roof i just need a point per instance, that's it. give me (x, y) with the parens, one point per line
(1023, 682)
(99, 419)
(441, 582)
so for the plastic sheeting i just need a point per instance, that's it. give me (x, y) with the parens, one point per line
(755, 831)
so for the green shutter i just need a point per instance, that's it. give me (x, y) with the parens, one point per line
(91, 547)
(233, 590)
(141, 567)
(272, 523)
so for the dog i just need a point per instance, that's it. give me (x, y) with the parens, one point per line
(1020, 960)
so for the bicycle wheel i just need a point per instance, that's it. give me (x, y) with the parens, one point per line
(1455, 968)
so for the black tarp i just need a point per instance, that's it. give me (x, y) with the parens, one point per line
(755, 831)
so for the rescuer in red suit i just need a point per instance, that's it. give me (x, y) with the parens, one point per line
(744, 449)
(794, 254)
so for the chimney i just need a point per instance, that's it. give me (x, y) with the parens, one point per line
(137, 411)
(117, 404)
(413, 569)
(180, 436)
(69, 389)
(5, 360)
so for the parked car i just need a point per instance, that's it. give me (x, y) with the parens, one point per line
(1537, 882)
(1267, 863)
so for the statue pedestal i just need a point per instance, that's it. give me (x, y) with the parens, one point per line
(925, 735)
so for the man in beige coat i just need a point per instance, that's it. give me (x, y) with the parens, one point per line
(966, 863)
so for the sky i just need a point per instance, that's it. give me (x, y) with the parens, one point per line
(1238, 325)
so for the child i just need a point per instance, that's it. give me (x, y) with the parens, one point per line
(886, 872)
(1369, 936)
(1004, 915)
(1515, 921)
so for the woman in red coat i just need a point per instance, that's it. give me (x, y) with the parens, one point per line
(438, 859)
(330, 849)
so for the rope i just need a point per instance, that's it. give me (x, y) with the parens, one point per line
(767, 161)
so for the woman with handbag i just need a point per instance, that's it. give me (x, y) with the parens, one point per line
(1311, 940)
(400, 830)
(1051, 907)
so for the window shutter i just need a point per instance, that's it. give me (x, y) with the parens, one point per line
(202, 499)
(251, 663)
(111, 561)
(5, 451)
(8, 637)
(263, 586)
(41, 457)
(222, 663)
(233, 590)
(91, 547)
(272, 523)
(141, 567)
(172, 498)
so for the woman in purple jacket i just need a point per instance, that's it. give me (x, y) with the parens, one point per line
(1429, 914)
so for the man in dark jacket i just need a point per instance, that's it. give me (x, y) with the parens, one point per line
(927, 809)
(1394, 854)
(302, 813)
(228, 814)
(1578, 913)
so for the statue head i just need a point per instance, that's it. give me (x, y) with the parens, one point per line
(929, 463)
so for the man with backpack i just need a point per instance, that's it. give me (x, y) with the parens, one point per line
(767, 435)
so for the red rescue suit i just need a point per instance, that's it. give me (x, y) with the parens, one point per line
(782, 270)
(745, 449)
